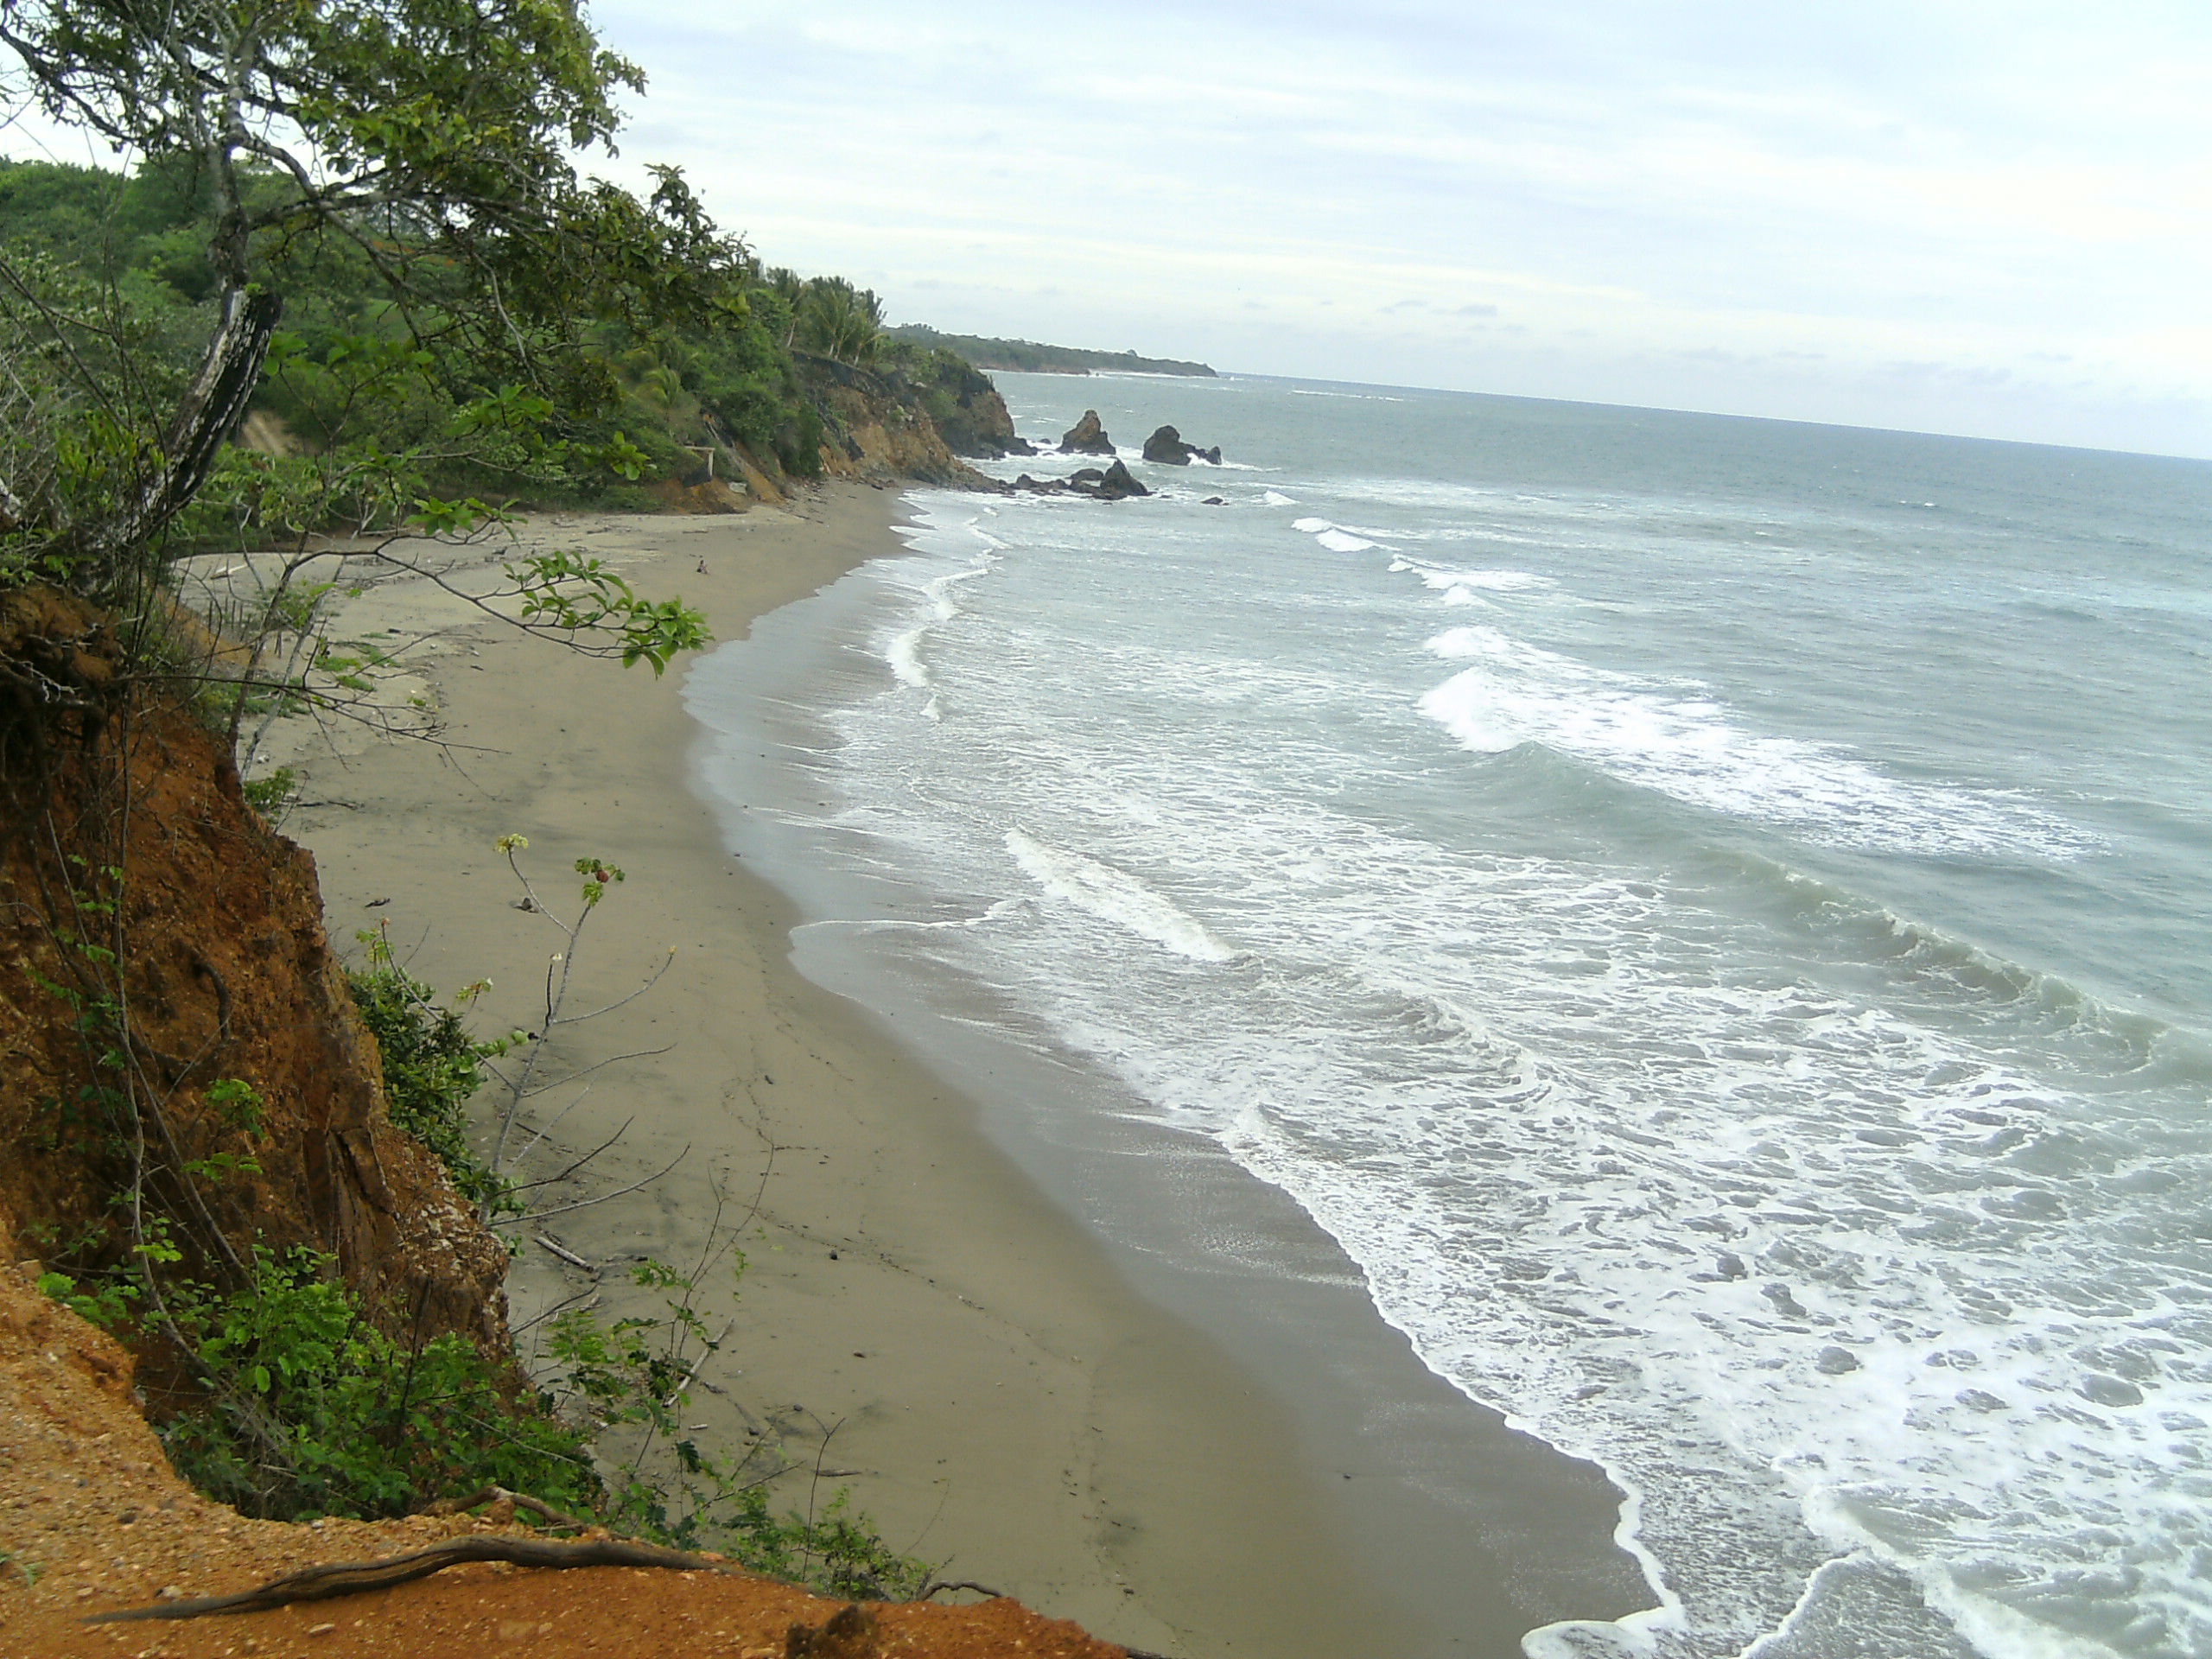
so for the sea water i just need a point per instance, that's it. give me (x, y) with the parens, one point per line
(1710, 914)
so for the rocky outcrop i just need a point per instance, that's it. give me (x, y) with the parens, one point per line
(877, 429)
(967, 408)
(1166, 448)
(1087, 438)
(1115, 483)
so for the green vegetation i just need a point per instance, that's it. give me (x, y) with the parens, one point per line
(306, 1408)
(370, 409)
(432, 1067)
(356, 234)
(1027, 357)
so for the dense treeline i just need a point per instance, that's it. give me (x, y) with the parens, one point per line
(380, 400)
(1028, 357)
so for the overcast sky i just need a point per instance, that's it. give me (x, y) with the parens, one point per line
(1979, 216)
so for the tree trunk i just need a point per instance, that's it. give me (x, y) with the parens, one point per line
(211, 411)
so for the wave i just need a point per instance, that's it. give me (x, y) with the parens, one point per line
(1114, 896)
(1343, 541)
(1333, 536)
(1672, 739)
(1469, 587)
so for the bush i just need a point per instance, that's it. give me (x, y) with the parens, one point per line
(432, 1066)
(311, 1410)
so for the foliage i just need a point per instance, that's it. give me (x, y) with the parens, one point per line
(1028, 357)
(404, 166)
(272, 796)
(572, 593)
(306, 1408)
(432, 1067)
(836, 320)
(362, 1424)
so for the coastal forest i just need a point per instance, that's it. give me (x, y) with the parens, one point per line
(349, 288)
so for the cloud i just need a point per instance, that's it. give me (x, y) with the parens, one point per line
(1837, 189)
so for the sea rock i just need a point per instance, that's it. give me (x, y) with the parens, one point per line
(1166, 446)
(1115, 483)
(1087, 438)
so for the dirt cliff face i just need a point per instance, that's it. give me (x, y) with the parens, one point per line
(968, 411)
(879, 429)
(222, 975)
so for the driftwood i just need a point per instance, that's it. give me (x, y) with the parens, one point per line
(351, 1577)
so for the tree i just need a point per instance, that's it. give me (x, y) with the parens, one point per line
(839, 321)
(432, 138)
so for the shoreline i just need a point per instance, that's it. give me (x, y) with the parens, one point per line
(992, 1392)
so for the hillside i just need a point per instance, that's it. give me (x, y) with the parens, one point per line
(1028, 357)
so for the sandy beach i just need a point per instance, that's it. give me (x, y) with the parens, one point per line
(1001, 1402)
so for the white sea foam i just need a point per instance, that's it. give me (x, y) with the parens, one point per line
(904, 656)
(1114, 896)
(1870, 1265)
(1676, 741)
(1277, 498)
(1471, 587)
(1343, 541)
(1311, 526)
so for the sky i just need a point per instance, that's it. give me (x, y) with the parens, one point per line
(1987, 217)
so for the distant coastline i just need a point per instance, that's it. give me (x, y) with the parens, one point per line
(1028, 357)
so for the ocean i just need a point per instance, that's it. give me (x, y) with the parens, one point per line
(1709, 915)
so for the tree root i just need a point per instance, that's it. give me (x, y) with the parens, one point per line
(351, 1578)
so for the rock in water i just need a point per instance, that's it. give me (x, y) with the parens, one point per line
(1167, 448)
(1120, 481)
(1087, 438)
(1115, 483)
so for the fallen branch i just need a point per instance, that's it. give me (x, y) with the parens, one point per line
(941, 1586)
(351, 1577)
(537, 1506)
(565, 1253)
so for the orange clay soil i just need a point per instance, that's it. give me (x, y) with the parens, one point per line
(91, 1519)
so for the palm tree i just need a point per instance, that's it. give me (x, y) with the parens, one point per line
(837, 319)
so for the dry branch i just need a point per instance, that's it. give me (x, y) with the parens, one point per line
(351, 1577)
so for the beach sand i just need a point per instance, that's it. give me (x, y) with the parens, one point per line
(1001, 1402)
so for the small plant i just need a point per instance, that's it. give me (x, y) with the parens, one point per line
(633, 1379)
(527, 1080)
(272, 795)
(432, 1066)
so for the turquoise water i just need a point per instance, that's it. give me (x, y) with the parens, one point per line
(1710, 914)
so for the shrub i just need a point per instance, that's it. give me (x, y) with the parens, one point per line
(432, 1065)
(311, 1410)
